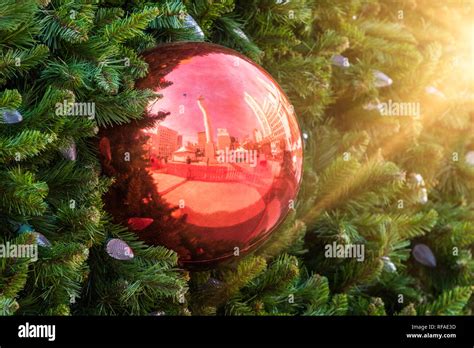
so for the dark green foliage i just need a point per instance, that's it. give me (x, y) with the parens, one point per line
(72, 52)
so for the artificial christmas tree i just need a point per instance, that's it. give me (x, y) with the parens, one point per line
(399, 103)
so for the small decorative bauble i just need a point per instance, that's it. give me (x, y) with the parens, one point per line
(416, 180)
(373, 105)
(431, 90)
(241, 34)
(70, 152)
(417, 183)
(212, 167)
(340, 61)
(211, 288)
(11, 116)
(423, 195)
(94, 215)
(305, 136)
(190, 23)
(41, 240)
(381, 80)
(25, 228)
(118, 249)
(469, 158)
(388, 265)
(214, 283)
(423, 254)
(85, 252)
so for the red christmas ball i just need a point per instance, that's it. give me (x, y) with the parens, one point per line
(215, 163)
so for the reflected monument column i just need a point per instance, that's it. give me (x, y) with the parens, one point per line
(210, 148)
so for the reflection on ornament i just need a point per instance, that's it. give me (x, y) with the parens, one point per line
(104, 148)
(340, 61)
(138, 224)
(10, 116)
(423, 254)
(118, 249)
(209, 172)
(381, 80)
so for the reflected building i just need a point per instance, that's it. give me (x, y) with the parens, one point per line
(184, 154)
(192, 146)
(223, 139)
(164, 141)
(272, 115)
(257, 136)
(201, 144)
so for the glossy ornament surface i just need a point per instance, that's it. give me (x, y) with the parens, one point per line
(423, 254)
(118, 249)
(10, 116)
(214, 165)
